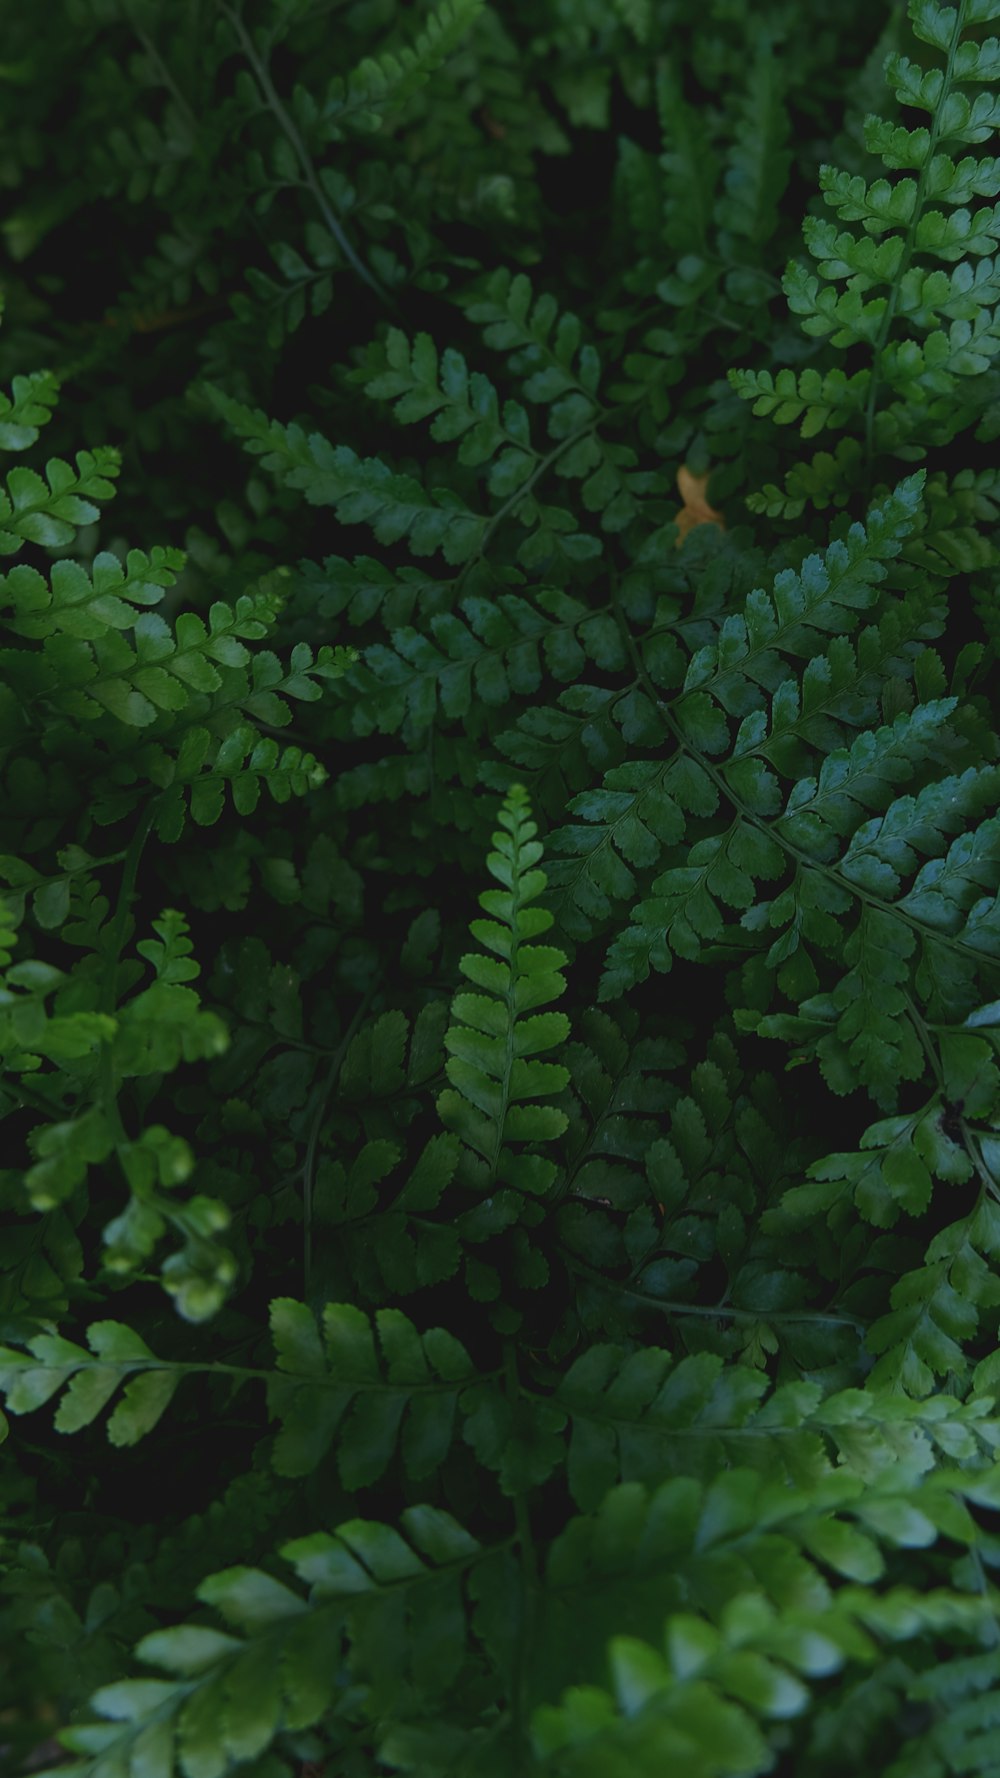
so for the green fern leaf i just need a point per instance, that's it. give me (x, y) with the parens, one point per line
(51, 510)
(27, 409)
(498, 1034)
(362, 490)
(380, 84)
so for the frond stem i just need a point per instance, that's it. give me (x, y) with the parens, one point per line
(312, 1146)
(909, 238)
(285, 122)
(529, 1570)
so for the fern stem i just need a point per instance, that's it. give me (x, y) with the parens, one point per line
(245, 1373)
(30, 1095)
(312, 1146)
(116, 939)
(526, 487)
(529, 1569)
(304, 158)
(712, 1312)
(126, 890)
(166, 77)
(986, 1592)
(929, 1048)
(972, 1143)
(909, 238)
(597, 419)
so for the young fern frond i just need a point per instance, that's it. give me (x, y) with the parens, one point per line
(497, 1034)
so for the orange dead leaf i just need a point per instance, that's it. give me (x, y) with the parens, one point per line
(696, 510)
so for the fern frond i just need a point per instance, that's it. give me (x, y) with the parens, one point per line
(190, 687)
(231, 1693)
(724, 1358)
(960, 1698)
(828, 479)
(645, 806)
(690, 166)
(514, 320)
(705, 1694)
(488, 652)
(27, 408)
(639, 1417)
(361, 490)
(498, 1034)
(821, 827)
(758, 162)
(331, 1384)
(366, 589)
(817, 400)
(464, 407)
(380, 84)
(50, 510)
(73, 602)
(243, 763)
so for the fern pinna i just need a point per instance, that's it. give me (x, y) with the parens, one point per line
(569, 1338)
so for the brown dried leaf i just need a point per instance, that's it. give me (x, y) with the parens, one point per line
(696, 510)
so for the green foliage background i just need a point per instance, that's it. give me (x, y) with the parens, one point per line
(564, 1343)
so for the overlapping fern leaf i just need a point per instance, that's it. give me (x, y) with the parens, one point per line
(164, 719)
(904, 276)
(889, 883)
(726, 1594)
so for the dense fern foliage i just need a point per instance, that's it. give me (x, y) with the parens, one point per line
(500, 889)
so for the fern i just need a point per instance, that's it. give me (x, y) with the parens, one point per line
(565, 1345)
(50, 510)
(27, 409)
(360, 490)
(928, 331)
(380, 84)
(215, 1706)
(805, 831)
(492, 1066)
